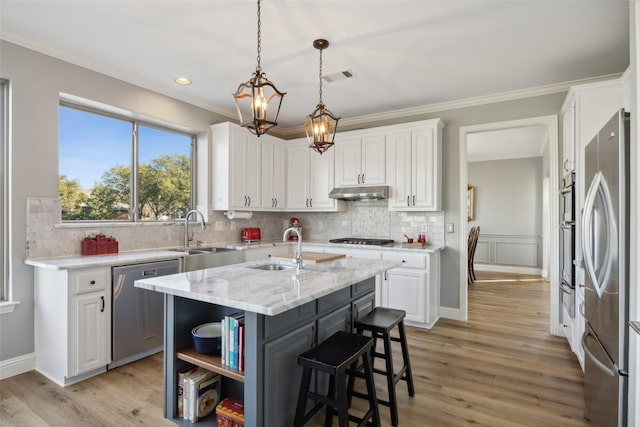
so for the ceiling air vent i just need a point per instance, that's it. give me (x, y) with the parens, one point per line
(338, 76)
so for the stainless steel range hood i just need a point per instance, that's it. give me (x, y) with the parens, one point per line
(378, 192)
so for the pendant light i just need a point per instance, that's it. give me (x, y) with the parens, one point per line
(321, 125)
(258, 98)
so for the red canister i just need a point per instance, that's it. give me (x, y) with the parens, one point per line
(103, 244)
(89, 246)
(112, 245)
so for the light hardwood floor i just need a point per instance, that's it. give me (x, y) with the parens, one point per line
(501, 368)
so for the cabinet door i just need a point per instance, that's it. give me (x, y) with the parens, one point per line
(363, 306)
(348, 162)
(424, 169)
(90, 344)
(321, 179)
(399, 169)
(279, 177)
(282, 374)
(406, 290)
(297, 176)
(266, 196)
(373, 160)
(568, 138)
(252, 173)
(237, 161)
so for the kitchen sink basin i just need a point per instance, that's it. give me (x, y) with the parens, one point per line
(274, 266)
(201, 250)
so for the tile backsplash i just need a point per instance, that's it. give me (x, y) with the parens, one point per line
(47, 236)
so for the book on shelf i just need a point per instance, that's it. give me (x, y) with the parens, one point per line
(181, 376)
(189, 382)
(231, 348)
(205, 398)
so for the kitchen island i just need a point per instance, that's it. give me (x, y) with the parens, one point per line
(285, 313)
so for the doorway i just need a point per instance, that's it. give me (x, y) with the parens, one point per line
(550, 124)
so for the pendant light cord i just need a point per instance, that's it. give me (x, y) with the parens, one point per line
(259, 68)
(320, 76)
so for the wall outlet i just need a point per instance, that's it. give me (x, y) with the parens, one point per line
(218, 226)
(450, 227)
(423, 228)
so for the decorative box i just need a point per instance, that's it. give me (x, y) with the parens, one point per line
(230, 413)
(89, 246)
(103, 244)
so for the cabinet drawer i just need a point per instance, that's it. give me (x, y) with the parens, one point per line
(276, 325)
(91, 280)
(366, 286)
(407, 259)
(334, 300)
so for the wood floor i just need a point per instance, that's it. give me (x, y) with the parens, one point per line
(501, 368)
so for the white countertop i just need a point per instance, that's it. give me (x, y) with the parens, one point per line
(266, 292)
(150, 255)
(122, 258)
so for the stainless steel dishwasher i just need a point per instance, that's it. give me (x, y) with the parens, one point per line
(137, 314)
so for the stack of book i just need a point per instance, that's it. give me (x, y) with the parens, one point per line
(198, 393)
(232, 354)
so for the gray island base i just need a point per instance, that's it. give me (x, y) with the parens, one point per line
(286, 313)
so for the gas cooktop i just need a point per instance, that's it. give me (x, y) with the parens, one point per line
(362, 241)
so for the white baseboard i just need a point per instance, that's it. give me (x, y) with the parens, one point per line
(17, 365)
(450, 313)
(508, 269)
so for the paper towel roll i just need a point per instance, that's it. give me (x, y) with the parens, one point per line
(239, 215)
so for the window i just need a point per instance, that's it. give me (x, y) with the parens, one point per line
(114, 168)
(4, 189)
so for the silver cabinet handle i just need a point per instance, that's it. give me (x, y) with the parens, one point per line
(598, 363)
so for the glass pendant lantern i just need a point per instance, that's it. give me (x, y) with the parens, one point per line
(321, 124)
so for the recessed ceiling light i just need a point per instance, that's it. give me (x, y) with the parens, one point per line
(183, 81)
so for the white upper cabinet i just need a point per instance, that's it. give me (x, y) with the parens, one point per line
(414, 166)
(568, 136)
(237, 164)
(360, 159)
(310, 178)
(273, 194)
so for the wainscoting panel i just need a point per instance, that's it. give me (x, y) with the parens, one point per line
(508, 250)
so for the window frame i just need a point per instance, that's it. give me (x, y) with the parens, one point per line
(7, 304)
(136, 122)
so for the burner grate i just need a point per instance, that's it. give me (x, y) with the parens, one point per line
(362, 241)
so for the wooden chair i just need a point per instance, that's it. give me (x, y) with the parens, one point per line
(471, 251)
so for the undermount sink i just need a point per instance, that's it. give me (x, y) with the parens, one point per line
(200, 250)
(274, 266)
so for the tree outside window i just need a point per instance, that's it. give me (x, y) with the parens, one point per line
(99, 177)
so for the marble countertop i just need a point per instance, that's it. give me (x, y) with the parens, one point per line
(150, 255)
(122, 258)
(266, 292)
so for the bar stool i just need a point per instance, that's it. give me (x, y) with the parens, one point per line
(380, 322)
(337, 356)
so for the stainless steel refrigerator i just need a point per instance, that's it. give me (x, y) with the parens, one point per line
(605, 247)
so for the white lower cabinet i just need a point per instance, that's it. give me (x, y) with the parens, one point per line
(414, 287)
(72, 323)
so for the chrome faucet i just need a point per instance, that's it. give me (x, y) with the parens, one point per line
(187, 237)
(298, 257)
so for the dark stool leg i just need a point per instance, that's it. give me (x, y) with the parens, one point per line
(371, 389)
(393, 404)
(328, 415)
(341, 398)
(405, 356)
(302, 397)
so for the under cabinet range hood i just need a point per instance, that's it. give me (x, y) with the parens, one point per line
(379, 192)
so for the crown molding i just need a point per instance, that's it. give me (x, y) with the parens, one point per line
(371, 119)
